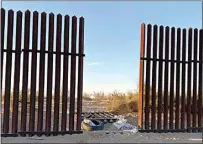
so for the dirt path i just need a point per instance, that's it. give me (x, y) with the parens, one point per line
(101, 137)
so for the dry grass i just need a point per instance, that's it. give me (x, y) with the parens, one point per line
(118, 103)
(86, 97)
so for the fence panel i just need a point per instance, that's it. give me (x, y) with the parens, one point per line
(41, 72)
(172, 78)
(29, 117)
(80, 73)
(73, 73)
(25, 71)
(33, 72)
(160, 77)
(8, 72)
(189, 77)
(147, 90)
(50, 73)
(141, 77)
(183, 80)
(200, 89)
(194, 103)
(65, 73)
(17, 72)
(154, 81)
(2, 40)
(177, 93)
(178, 82)
(57, 72)
(166, 78)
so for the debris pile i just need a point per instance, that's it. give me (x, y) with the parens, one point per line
(122, 124)
(97, 124)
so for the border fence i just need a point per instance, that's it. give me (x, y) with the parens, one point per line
(39, 113)
(171, 79)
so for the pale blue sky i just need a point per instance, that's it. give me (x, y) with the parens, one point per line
(112, 34)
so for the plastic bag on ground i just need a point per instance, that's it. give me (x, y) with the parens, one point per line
(129, 128)
(120, 123)
(123, 125)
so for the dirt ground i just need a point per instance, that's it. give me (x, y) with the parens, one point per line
(102, 137)
(110, 134)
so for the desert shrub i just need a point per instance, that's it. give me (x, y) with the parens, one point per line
(99, 96)
(122, 103)
(86, 97)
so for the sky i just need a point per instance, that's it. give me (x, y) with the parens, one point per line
(112, 34)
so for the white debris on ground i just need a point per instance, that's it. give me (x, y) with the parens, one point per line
(122, 124)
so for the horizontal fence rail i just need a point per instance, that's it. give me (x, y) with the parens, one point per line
(41, 73)
(171, 79)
